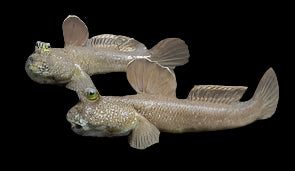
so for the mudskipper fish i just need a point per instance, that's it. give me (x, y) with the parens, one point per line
(100, 54)
(155, 107)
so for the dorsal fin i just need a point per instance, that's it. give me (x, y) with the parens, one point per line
(217, 93)
(149, 77)
(115, 42)
(75, 31)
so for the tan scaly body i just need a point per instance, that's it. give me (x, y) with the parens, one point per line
(155, 108)
(98, 55)
(182, 115)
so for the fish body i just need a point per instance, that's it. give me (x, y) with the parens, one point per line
(98, 55)
(58, 65)
(155, 107)
(182, 115)
(103, 60)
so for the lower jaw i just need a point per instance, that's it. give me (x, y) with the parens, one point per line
(94, 133)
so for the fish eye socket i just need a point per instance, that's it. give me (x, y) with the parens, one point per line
(91, 94)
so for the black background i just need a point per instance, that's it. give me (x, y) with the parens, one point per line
(230, 44)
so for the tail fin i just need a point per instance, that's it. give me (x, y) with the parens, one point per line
(267, 93)
(170, 52)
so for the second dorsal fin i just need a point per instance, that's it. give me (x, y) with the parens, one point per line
(217, 93)
(149, 77)
(115, 42)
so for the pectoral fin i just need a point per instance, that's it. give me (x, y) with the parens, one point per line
(144, 134)
(80, 82)
(75, 31)
(149, 77)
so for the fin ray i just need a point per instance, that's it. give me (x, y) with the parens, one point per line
(268, 93)
(75, 31)
(149, 77)
(115, 42)
(144, 134)
(217, 93)
(170, 52)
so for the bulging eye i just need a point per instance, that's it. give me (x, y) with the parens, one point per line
(91, 94)
(42, 46)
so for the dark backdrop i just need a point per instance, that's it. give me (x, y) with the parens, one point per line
(230, 44)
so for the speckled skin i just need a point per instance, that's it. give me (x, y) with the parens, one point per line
(57, 66)
(176, 115)
(98, 55)
(102, 118)
(117, 116)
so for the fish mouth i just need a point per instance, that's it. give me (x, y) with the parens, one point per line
(98, 131)
(86, 131)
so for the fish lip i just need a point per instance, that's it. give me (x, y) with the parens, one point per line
(100, 131)
(85, 131)
(76, 126)
(78, 129)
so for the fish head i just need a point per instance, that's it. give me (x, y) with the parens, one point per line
(49, 65)
(99, 117)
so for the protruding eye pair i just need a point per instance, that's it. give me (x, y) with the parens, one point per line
(43, 46)
(92, 94)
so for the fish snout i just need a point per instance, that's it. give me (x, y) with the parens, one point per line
(30, 64)
(37, 70)
(36, 66)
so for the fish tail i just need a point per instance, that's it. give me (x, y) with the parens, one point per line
(267, 93)
(170, 52)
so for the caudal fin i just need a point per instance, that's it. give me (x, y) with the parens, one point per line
(267, 93)
(170, 52)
